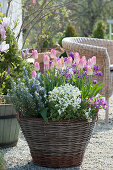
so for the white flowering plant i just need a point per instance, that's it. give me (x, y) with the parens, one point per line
(66, 89)
(64, 102)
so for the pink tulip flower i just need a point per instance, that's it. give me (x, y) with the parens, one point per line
(52, 53)
(35, 54)
(77, 63)
(83, 60)
(4, 46)
(69, 61)
(59, 64)
(80, 64)
(55, 61)
(37, 66)
(34, 1)
(52, 65)
(46, 59)
(89, 70)
(94, 60)
(62, 59)
(90, 62)
(76, 57)
(46, 66)
(33, 74)
(5, 22)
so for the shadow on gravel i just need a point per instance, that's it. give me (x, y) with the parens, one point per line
(32, 166)
(101, 126)
(5, 150)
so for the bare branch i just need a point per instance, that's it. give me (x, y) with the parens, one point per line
(9, 3)
(40, 11)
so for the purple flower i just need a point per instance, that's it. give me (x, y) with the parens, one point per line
(5, 22)
(96, 68)
(8, 70)
(71, 54)
(94, 74)
(68, 75)
(94, 81)
(65, 59)
(50, 61)
(4, 46)
(26, 52)
(99, 73)
(22, 54)
(2, 32)
(85, 68)
(74, 65)
(74, 71)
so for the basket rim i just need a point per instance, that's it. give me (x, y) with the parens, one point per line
(50, 120)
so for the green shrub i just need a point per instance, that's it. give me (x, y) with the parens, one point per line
(69, 32)
(99, 30)
(2, 162)
(13, 60)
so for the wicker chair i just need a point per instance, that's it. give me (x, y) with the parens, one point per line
(103, 50)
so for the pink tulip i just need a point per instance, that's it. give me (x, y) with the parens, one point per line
(55, 61)
(69, 61)
(46, 59)
(5, 22)
(77, 63)
(34, 1)
(94, 60)
(46, 66)
(62, 59)
(35, 54)
(90, 62)
(59, 64)
(76, 57)
(89, 70)
(80, 64)
(52, 53)
(83, 60)
(37, 66)
(52, 65)
(33, 74)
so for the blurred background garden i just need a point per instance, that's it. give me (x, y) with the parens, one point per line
(42, 24)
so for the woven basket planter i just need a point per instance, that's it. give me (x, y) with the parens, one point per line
(59, 144)
(9, 127)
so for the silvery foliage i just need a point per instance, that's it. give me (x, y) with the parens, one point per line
(29, 96)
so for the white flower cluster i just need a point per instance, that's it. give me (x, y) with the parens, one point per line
(64, 97)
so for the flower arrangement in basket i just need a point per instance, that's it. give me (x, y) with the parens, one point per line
(59, 107)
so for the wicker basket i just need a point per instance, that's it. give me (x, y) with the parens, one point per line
(59, 144)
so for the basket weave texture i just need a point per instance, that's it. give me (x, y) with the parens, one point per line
(59, 144)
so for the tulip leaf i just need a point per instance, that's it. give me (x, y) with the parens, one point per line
(44, 114)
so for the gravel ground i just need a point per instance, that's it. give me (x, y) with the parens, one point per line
(98, 155)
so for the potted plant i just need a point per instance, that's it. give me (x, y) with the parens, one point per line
(9, 127)
(57, 109)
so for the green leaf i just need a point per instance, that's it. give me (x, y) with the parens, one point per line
(44, 114)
